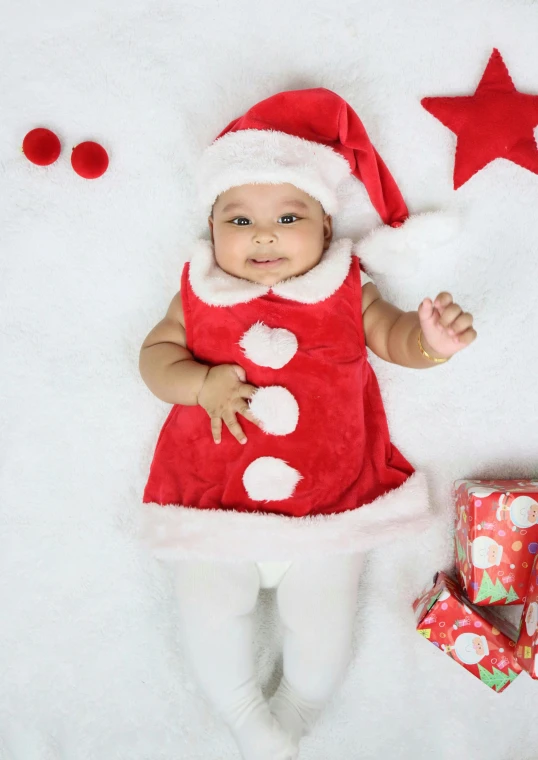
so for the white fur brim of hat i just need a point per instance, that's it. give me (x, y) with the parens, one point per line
(178, 532)
(253, 156)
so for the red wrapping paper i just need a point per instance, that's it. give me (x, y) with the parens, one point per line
(527, 643)
(496, 538)
(479, 639)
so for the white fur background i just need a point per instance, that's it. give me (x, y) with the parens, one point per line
(91, 666)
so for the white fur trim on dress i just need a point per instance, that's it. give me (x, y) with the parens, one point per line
(323, 280)
(392, 251)
(269, 346)
(176, 532)
(270, 479)
(216, 287)
(256, 156)
(213, 285)
(276, 409)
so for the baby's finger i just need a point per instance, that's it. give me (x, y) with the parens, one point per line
(443, 300)
(246, 390)
(244, 409)
(467, 337)
(234, 427)
(216, 429)
(451, 313)
(240, 372)
(461, 323)
(428, 314)
(426, 310)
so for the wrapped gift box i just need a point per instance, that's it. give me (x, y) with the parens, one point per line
(527, 642)
(496, 538)
(477, 638)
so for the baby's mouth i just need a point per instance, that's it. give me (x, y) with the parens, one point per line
(265, 263)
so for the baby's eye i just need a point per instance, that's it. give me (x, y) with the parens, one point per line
(289, 216)
(240, 219)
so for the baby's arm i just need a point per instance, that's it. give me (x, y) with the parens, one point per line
(166, 365)
(392, 334)
(171, 373)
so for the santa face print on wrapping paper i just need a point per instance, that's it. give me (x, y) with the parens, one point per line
(523, 511)
(471, 648)
(485, 552)
(531, 619)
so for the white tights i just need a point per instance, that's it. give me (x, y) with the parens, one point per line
(317, 603)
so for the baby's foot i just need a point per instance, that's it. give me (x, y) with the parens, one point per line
(295, 715)
(261, 737)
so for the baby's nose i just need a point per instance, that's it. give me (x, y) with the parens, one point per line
(264, 237)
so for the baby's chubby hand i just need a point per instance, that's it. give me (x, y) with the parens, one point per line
(223, 394)
(446, 328)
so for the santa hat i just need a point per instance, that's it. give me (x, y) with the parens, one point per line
(314, 140)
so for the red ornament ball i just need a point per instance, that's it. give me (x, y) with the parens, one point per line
(89, 159)
(41, 146)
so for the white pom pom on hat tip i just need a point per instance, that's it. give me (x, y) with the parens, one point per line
(392, 251)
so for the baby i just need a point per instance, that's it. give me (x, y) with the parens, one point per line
(274, 468)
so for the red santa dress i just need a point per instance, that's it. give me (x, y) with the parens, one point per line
(321, 474)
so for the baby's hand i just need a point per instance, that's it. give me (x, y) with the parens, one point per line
(223, 394)
(446, 329)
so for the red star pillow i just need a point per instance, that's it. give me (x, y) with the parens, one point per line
(496, 122)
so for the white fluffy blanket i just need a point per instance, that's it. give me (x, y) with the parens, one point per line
(91, 665)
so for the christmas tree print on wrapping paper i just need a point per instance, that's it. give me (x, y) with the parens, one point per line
(461, 552)
(512, 596)
(496, 680)
(495, 592)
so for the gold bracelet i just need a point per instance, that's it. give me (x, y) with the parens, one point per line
(426, 354)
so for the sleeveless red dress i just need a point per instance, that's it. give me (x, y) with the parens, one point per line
(321, 474)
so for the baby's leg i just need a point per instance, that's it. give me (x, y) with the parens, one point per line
(317, 603)
(216, 604)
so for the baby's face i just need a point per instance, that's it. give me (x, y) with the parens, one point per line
(268, 233)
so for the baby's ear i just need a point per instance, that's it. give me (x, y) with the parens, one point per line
(328, 228)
